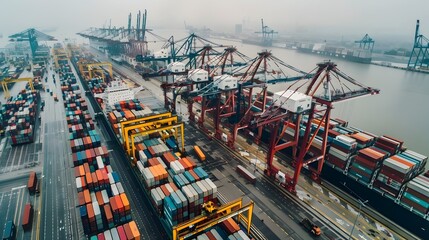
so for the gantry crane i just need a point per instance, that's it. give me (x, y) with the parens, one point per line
(31, 35)
(366, 43)
(328, 86)
(6, 81)
(267, 34)
(420, 54)
(213, 216)
(193, 50)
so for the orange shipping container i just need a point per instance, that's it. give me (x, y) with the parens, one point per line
(125, 201)
(90, 211)
(134, 230)
(108, 212)
(128, 231)
(119, 203)
(99, 198)
(81, 170)
(87, 196)
(114, 205)
(81, 198)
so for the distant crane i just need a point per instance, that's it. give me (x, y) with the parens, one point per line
(31, 35)
(267, 34)
(366, 43)
(419, 55)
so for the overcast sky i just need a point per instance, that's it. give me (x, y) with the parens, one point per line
(379, 18)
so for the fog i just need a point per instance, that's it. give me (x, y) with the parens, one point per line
(391, 20)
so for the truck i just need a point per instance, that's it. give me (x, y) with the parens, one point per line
(310, 226)
(27, 217)
(32, 182)
(9, 232)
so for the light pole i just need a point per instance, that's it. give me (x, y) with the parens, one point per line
(360, 209)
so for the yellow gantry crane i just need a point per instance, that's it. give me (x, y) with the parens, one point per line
(215, 215)
(59, 54)
(148, 125)
(6, 81)
(90, 68)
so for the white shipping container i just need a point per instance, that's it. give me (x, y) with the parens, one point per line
(203, 188)
(78, 184)
(292, 101)
(346, 139)
(155, 196)
(419, 188)
(107, 235)
(109, 168)
(111, 179)
(169, 188)
(120, 188)
(207, 186)
(140, 166)
(100, 163)
(114, 189)
(105, 196)
(397, 166)
(148, 177)
(216, 234)
(115, 234)
(213, 186)
(243, 235)
(160, 193)
(142, 156)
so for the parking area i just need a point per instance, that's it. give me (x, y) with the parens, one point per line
(14, 196)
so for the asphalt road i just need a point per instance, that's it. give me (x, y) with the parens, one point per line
(59, 218)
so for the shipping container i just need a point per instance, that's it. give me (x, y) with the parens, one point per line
(27, 217)
(199, 153)
(32, 182)
(246, 174)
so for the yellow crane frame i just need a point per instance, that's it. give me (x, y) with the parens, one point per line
(102, 64)
(151, 118)
(59, 53)
(147, 132)
(5, 81)
(203, 222)
(156, 123)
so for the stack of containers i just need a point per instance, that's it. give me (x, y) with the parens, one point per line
(363, 139)
(416, 195)
(340, 152)
(367, 162)
(102, 201)
(122, 232)
(397, 170)
(175, 209)
(21, 113)
(389, 144)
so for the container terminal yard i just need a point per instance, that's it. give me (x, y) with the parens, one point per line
(192, 145)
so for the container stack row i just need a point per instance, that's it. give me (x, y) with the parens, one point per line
(103, 205)
(366, 164)
(128, 231)
(341, 150)
(20, 113)
(397, 170)
(416, 195)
